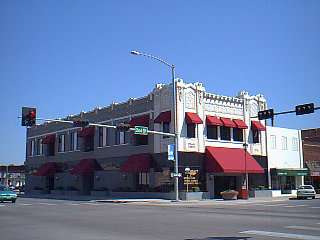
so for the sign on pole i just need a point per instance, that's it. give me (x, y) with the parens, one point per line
(171, 152)
(140, 130)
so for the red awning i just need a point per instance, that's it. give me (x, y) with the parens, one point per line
(163, 117)
(140, 121)
(86, 132)
(230, 160)
(257, 125)
(85, 166)
(137, 163)
(193, 118)
(213, 120)
(49, 139)
(227, 122)
(240, 123)
(47, 169)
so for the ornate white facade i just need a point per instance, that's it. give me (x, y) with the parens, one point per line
(192, 97)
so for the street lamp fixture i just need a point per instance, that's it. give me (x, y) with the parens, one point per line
(174, 102)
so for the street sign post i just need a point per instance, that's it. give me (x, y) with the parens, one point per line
(171, 152)
(140, 130)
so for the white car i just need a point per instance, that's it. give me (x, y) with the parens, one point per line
(306, 191)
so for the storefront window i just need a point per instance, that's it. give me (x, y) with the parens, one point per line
(225, 133)
(212, 132)
(237, 134)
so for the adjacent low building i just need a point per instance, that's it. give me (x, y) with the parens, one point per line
(220, 141)
(285, 159)
(12, 175)
(311, 152)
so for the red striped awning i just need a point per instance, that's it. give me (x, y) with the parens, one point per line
(137, 163)
(227, 122)
(163, 117)
(213, 121)
(87, 132)
(257, 125)
(193, 118)
(140, 121)
(49, 139)
(230, 160)
(47, 169)
(240, 123)
(85, 167)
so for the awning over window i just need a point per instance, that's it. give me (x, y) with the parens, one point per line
(213, 121)
(230, 160)
(47, 169)
(227, 122)
(49, 139)
(163, 117)
(240, 123)
(86, 166)
(257, 125)
(290, 171)
(140, 121)
(137, 163)
(87, 132)
(193, 118)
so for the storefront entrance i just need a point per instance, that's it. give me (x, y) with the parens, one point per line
(222, 183)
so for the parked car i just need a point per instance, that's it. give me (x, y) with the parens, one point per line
(306, 191)
(7, 195)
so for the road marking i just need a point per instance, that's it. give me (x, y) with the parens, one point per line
(303, 228)
(1, 205)
(75, 204)
(48, 204)
(25, 204)
(281, 235)
(315, 207)
(275, 205)
(89, 203)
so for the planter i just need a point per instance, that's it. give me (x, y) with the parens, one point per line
(100, 193)
(57, 192)
(229, 195)
(72, 193)
(193, 195)
(38, 192)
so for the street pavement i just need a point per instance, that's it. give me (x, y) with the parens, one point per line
(34, 219)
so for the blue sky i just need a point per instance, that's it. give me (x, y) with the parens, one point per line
(66, 56)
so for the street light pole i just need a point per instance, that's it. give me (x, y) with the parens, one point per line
(174, 102)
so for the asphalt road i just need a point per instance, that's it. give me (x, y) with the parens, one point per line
(58, 219)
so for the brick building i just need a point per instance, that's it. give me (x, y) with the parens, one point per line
(212, 130)
(311, 152)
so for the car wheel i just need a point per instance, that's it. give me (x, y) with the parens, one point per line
(13, 201)
(314, 197)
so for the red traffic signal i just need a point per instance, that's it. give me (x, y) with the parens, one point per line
(305, 109)
(28, 116)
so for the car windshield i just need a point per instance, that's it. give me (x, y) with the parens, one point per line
(3, 188)
(305, 187)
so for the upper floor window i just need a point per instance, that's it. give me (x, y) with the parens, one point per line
(212, 132)
(39, 146)
(255, 136)
(101, 135)
(72, 141)
(61, 143)
(165, 128)
(225, 133)
(284, 143)
(294, 144)
(273, 141)
(77, 140)
(238, 134)
(191, 130)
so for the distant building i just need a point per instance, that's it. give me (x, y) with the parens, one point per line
(212, 131)
(285, 159)
(12, 175)
(311, 152)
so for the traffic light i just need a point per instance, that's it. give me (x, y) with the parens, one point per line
(28, 116)
(266, 114)
(305, 109)
(123, 127)
(80, 123)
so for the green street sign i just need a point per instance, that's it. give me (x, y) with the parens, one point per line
(140, 130)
